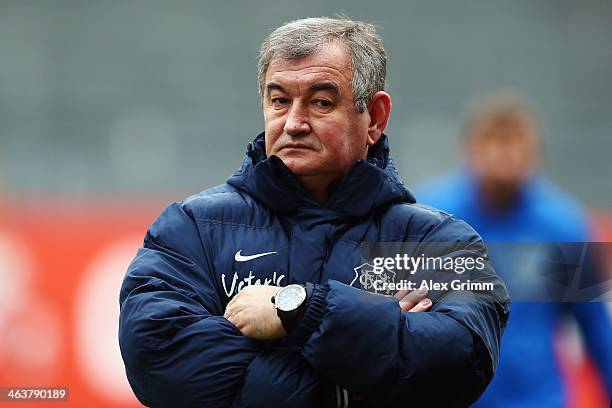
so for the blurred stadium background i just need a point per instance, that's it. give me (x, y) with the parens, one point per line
(110, 110)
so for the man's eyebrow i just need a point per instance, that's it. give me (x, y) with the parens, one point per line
(320, 86)
(324, 86)
(271, 86)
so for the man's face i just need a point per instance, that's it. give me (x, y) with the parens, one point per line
(311, 121)
(502, 156)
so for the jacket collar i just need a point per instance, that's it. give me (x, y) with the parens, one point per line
(368, 184)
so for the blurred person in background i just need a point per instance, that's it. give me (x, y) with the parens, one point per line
(502, 194)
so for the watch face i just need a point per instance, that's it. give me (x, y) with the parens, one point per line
(290, 297)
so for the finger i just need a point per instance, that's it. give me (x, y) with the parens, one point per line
(238, 320)
(236, 297)
(234, 304)
(235, 318)
(423, 306)
(230, 310)
(229, 306)
(412, 298)
(401, 294)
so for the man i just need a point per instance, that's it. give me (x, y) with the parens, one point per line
(198, 325)
(501, 194)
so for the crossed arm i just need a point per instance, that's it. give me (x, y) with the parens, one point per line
(255, 316)
(180, 350)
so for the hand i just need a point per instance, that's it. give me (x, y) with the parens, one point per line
(413, 301)
(254, 314)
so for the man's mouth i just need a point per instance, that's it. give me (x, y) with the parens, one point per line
(295, 146)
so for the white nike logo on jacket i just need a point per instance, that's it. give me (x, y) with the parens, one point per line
(243, 258)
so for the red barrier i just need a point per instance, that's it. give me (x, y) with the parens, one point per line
(62, 271)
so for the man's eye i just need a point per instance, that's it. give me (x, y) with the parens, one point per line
(322, 103)
(279, 101)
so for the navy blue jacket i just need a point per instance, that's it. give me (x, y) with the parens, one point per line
(179, 350)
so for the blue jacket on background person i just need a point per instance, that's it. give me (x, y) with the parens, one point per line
(180, 351)
(528, 373)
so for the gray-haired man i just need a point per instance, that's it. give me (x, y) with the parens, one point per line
(246, 294)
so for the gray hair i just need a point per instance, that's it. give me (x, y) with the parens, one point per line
(305, 37)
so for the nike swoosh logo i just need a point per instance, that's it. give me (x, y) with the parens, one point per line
(243, 258)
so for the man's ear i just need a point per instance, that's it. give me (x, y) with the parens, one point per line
(379, 110)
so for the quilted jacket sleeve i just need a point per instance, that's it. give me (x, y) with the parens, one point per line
(283, 378)
(365, 343)
(178, 348)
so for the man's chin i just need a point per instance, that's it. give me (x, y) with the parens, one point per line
(299, 168)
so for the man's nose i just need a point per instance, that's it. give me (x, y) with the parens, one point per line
(297, 120)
